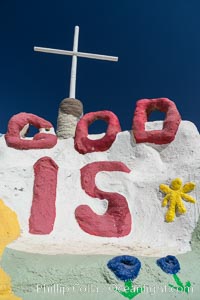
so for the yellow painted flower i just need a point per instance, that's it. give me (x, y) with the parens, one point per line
(174, 195)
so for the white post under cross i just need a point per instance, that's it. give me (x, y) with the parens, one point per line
(74, 55)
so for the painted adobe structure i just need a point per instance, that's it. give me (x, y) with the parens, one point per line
(102, 194)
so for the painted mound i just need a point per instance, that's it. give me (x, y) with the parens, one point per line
(150, 165)
(121, 193)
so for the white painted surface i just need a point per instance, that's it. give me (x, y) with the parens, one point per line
(150, 166)
(72, 91)
(78, 54)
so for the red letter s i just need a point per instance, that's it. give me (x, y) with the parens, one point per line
(116, 222)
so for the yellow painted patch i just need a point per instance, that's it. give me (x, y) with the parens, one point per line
(9, 231)
(9, 226)
(174, 195)
(5, 287)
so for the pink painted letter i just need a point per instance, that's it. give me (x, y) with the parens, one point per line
(170, 126)
(43, 210)
(85, 145)
(116, 222)
(40, 140)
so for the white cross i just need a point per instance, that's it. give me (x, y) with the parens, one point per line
(74, 55)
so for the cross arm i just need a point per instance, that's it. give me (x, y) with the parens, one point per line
(79, 54)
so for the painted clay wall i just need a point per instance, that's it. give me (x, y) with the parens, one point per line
(150, 165)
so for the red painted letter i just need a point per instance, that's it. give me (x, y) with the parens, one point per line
(43, 210)
(116, 222)
(39, 141)
(83, 144)
(171, 123)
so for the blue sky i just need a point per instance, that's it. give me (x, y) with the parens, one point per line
(157, 41)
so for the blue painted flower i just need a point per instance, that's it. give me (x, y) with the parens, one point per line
(169, 264)
(125, 267)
